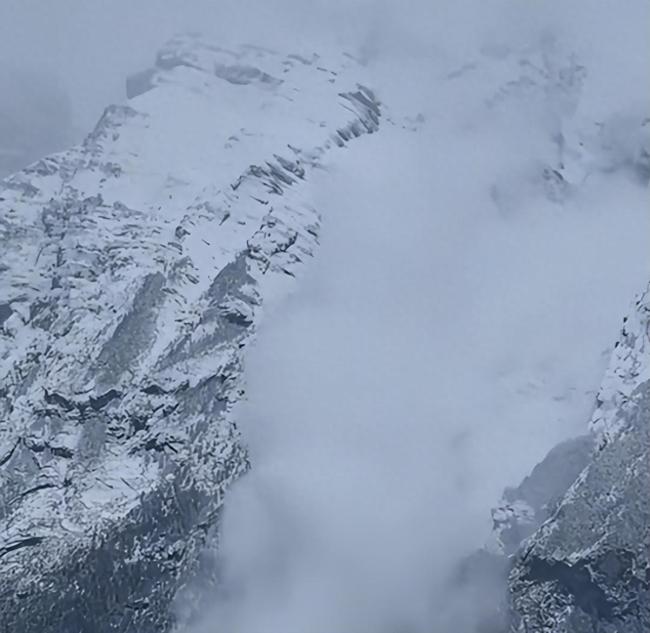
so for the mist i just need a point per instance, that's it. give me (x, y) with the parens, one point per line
(450, 331)
(90, 46)
(455, 322)
(35, 117)
(423, 367)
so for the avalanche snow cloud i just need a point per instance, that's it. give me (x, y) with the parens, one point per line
(476, 262)
(279, 332)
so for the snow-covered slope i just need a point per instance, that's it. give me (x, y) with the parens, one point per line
(134, 269)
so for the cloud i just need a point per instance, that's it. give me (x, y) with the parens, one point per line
(92, 45)
(439, 345)
(35, 117)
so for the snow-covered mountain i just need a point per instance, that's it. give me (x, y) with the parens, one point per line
(134, 269)
(137, 267)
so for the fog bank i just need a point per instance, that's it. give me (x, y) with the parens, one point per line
(453, 327)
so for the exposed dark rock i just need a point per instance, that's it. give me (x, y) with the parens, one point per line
(586, 568)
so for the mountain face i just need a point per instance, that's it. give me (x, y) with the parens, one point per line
(587, 567)
(135, 268)
(571, 542)
(570, 549)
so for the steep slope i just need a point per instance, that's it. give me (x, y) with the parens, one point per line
(134, 271)
(570, 547)
(587, 569)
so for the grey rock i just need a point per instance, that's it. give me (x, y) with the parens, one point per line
(524, 508)
(587, 568)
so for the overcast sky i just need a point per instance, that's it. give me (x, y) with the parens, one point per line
(91, 45)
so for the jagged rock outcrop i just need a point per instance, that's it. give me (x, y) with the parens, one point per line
(570, 550)
(482, 577)
(587, 568)
(135, 268)
(525, 507)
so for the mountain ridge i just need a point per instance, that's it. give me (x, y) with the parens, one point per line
(124, 321)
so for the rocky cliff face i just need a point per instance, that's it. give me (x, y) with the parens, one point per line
(574, 537)
(587, 568)
(135, 268)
